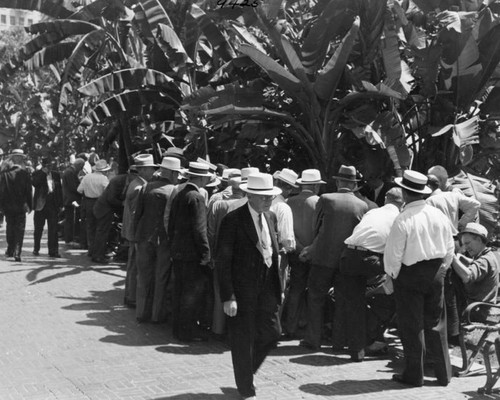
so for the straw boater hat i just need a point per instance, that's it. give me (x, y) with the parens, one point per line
(214, 181)
(144, 160)
(310, 177)
(17, 152)
(245, 172)
(260, 183)
(347, 173)
(229, 171)
(171, 163)
(101, 166)
(211, 167)
(414, 181)
(475, 229)
(198, 169)
(288, 176)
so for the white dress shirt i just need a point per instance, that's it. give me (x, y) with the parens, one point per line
(265, 244)
(92, 185)
(450, 203)
(373, 229)
(420, 232)
(284, 216)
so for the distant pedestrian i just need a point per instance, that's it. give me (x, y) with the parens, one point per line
(72, 199)
(47, 203)
(15, 200)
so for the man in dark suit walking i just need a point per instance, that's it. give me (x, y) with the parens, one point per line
(250, 288)
(15, 200)
(72, 200)
(47, 202)
(187, 231)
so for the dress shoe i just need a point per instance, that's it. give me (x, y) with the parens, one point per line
(100, 260)
(307, 345)
(56, 255)
(36, 253)
(357, 356)
(7, 254)
(400, 378)
(17, 259)
(129, 304)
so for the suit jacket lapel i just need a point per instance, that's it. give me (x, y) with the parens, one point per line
(272, 233)
(249, 226)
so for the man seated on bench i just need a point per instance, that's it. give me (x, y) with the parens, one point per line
(479, 274)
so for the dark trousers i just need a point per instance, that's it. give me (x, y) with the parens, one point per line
(153, 272)
(253, 333)
(356, 267)
(103, 227)
(296, 301)
(320, 281)
(191, 282)
(71, 223)
(131, 276)
(419, 295)
(90, 223)
(49, 214)
(16, 223)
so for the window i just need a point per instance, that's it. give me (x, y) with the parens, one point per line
(30, 21)
(3, 19)
(21, 21)
(12, 20)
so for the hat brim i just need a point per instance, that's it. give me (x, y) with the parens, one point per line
(17, 154)
(216, 182)
(187, 172)
(301, 182)
(292, 184)
(269, 192)
(102, 170)
(425, 190)
(343, 178)
(472, 233)
(171, 169)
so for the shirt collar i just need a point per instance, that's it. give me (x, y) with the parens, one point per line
(345, 190)
(253, 213)
(417, 203)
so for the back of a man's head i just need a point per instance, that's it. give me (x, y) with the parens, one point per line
(394, 196)
(441, 174)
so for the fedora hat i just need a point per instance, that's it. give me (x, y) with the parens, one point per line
(144, 160)
(245, 172)
(198, 169)
(310, 177)
(413, 181)
(101, 166)
(17, 152)
(260, 183)
(288, 176)
(173, 152)
(475, 229)
(347, 173)
(230, 171)
(171, 163)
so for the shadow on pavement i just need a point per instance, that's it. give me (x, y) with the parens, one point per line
(351, 387)
(227, 393)
(194, 349)
(319, 360)
(290, 350)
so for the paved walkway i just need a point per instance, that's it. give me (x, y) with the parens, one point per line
(65, 335)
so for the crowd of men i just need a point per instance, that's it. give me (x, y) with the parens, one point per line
(259, 257)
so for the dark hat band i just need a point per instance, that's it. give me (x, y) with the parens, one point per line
(257, 190)
(195, 170)
(413, 185)
(346, 176)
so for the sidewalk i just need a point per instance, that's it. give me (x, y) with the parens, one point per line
(66, 335)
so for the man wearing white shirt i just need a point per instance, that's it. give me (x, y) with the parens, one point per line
(363, 259)
(419, 249)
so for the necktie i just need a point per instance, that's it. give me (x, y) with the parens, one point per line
(265, 242)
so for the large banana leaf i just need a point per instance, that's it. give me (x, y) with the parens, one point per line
(286, 80)
(155, 14)
(131, 79)
(172, 46)
(211, 31)
(63, 27)
(372, 14)
(426, 67)
(50, 55)
(111, 10)
(390, 47)
(132, 103)
(272, 8)
(335, 19)
(52, 8)
(328, 78)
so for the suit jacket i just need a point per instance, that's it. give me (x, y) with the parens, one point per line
(151, 203)
(187, 226)
(70, 184)
(42, 197)
(15, 190)
(336, 216)
(303, 206)
(132, 194)
(239, 262)
(111, 200)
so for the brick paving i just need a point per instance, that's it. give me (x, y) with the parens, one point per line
(66, 335)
